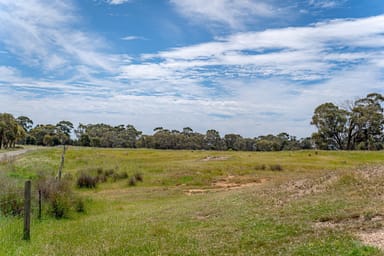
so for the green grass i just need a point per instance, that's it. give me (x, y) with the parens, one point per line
(278, 216)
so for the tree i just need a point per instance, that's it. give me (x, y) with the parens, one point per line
(25, 122)
(234, 142)
(368, 120)
(10, 131)
(41, 130)
(330, 121)
(64, 129)
(213, 140)
(131, 135)
(359, 127)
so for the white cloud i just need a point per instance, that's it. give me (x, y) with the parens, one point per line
(44, 34)
(300, 53)
(256, 73)
(326, 3)
(130, 38)
(117, 2)
(234, 13)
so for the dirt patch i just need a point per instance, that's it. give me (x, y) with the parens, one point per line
(226, 184)
(302, 187)
(215, 158)
(374, 238)
(368, 228)
(371, 172)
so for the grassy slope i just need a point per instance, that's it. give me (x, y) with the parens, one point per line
(276, 217)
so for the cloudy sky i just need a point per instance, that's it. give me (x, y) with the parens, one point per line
(251, 67)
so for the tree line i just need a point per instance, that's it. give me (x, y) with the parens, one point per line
(358, 126)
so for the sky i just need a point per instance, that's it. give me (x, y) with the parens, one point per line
(251, 67)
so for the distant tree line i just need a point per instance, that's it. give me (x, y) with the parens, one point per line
(21, 130)
(358, 126)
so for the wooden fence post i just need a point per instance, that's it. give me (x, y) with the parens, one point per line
(40, 199)
(27, 211)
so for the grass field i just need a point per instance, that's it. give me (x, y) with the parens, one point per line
(208, 203)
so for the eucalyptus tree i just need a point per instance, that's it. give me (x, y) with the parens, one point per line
(359, 127)
(10, 131)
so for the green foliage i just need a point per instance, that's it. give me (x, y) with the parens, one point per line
(10, 131)
(58, 194)
(360, 127)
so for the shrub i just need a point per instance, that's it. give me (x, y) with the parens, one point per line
(58, 195)
(132, 181)
(260, 167)
(59, 206)
(276, 167)
(101, 178)
(99, 170)
(79, 205)
(139, 176)
(86, 181)
(109, 173)
(123, 175)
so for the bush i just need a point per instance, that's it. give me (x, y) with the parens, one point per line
(101, 178)
(260, 167)
(132, 181)
(139, 176)
(276, 167)
(79, 205)
(109, 173)
(86, 181)
(119, 176)
(58, 195)
(59, 206)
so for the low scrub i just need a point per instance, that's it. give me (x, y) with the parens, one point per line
(138, 177)
(59, 197)
(85, 180)
(276, 167)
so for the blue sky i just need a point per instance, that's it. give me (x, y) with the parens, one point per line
(238, 66)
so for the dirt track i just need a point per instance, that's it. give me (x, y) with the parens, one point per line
(11, 154)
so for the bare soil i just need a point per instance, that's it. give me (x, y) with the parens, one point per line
(228, 183)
